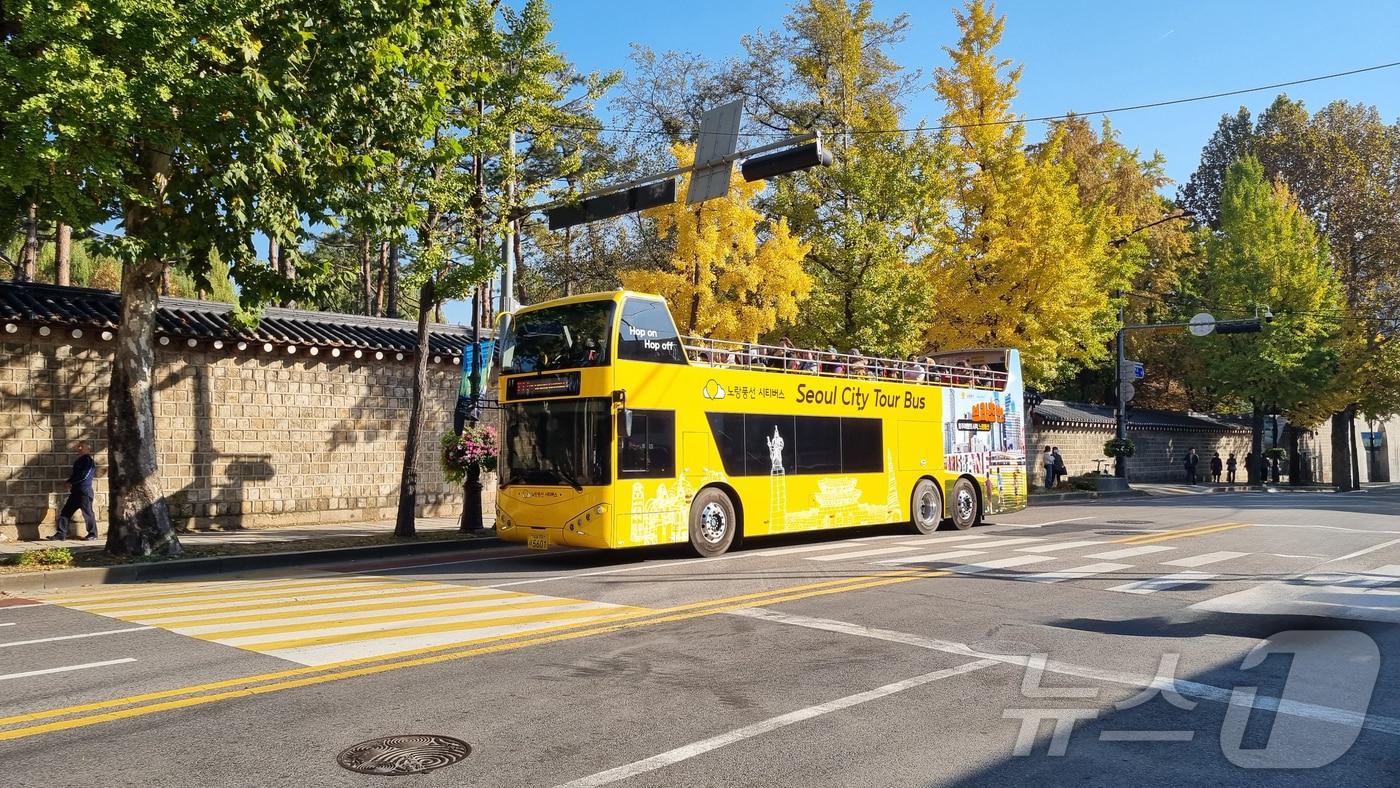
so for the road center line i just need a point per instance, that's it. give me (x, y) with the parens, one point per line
(66, 668)
(1375, 722)
(74, 637)
(771, 724)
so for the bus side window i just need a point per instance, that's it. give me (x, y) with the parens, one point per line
(650, 451)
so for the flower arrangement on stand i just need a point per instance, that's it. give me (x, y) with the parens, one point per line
(476, 447)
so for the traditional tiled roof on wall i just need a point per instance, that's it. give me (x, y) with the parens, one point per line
(211, 321)
(1057, 413)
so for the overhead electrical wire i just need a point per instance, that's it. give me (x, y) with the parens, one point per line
(1038, 119)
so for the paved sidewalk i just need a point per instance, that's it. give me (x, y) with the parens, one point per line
(427, 527)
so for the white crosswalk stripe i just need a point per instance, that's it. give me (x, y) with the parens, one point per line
(806, 548)
(1162, 583)
(1363, 595)
(860, 554)
(327, 619)
(1057, 546)
(945, 538)
(1206, 558)
(999, 563)
(997, 542)
(1076, 573)
(1129, 552)
(929, 558)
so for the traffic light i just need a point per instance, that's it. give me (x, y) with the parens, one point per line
(784, 161)
(1238, 326)
(606, 206)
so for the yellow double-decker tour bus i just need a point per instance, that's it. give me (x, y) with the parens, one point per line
(619, 432)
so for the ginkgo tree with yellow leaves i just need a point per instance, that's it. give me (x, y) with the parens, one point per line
(1027, 266)
(732, 273)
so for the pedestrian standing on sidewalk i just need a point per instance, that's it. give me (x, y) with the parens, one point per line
(1191, 462)
(1047, 459)
(79, 495)
(1060, 469)
(1216, 466)
(1230, 466)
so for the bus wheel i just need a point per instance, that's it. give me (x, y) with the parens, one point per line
(712, 523)
(925, 507)
(965, 510)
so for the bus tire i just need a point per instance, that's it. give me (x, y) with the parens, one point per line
(965, 510)
(712, 523)
(925, 507)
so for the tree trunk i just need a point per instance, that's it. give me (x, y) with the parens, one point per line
(366, 277)
(63, 255)
(379, 279)
(1256, 445)
(165, 280)
(1342, 461)
(1295, 461)
(29, 254)
(404, 523)
(138, 521)
(392, 305)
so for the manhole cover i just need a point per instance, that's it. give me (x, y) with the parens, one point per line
(1129, 522)
(411, 754)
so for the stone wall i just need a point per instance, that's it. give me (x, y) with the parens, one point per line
(1158, 452)
(246, 438)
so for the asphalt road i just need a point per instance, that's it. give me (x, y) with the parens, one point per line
(1236, 639)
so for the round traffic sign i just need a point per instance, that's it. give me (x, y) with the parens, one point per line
(1202, 324)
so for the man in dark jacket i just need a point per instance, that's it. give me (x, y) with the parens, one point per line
(1191, 461)
(79, 495)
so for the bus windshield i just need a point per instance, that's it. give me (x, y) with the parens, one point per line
(560, 337)
(559, 442)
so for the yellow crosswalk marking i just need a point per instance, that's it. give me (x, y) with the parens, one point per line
(380, 594)
(466, 626)
(177, 590)
(194, 600)
(420, 600)
(300, 625)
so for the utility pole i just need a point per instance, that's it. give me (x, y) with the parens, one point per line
(1120, 414)
(508, 242)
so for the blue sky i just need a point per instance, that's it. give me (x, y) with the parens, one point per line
(1077, 55)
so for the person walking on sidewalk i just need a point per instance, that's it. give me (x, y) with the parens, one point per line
(1230, 466)
(79, 495)
(1191, 461)
(1048, 460)
(1216, 466)
(1060, 469)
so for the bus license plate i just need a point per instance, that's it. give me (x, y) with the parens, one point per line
(538, 542)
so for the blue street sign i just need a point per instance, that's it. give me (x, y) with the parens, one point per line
(1139, 371)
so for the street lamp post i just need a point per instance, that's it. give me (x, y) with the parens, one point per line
(1120, 412)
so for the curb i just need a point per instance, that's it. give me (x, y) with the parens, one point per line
(230, 564)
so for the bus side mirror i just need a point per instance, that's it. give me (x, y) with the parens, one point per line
(619, 397)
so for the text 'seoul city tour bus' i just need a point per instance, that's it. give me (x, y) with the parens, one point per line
(618, 432)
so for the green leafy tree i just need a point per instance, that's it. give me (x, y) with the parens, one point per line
(463, 184)
(873, 216)
(196, 126)
(1343, 165)
(1119, 189)
(1268, 253)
